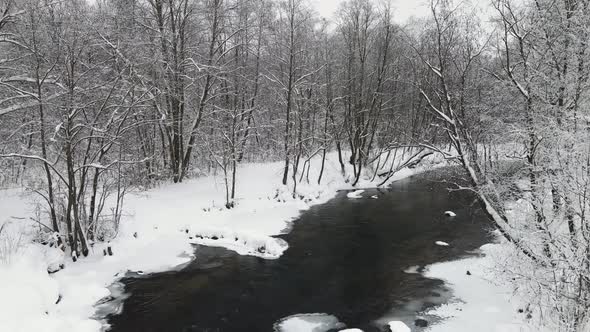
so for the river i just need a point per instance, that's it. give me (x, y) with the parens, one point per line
(351, 258)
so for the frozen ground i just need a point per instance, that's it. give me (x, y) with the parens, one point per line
(156, 235)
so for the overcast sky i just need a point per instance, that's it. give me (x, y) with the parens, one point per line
(404, 9)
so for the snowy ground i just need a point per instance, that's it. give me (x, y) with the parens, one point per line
(483, 299)
(157, 233)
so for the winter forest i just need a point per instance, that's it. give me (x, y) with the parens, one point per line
(104, 101)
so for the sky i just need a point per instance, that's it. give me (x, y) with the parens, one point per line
(404, 9)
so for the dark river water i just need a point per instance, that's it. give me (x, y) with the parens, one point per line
(346, 258)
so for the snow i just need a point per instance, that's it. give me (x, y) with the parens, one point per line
(450, 214)
(355, 194)
(13, 206)
(58, 127)
(156, 233)
(441, 243)
(244, 243)
(308, 323)
(14, 223)
(397, 326)
(30, 295)
(97, 165)
(483, 300)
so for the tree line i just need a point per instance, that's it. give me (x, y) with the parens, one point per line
(99, 97)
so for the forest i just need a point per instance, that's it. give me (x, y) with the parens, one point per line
(102, 98)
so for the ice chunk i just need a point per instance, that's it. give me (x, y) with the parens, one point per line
(309, 323)
(441, 243)
(355, 194)
(450, 214)
(397, 326)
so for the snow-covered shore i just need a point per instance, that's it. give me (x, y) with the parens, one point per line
(157, 234)
(483, 298)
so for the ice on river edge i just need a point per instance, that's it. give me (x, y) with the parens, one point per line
(483, 299)
(397, 326)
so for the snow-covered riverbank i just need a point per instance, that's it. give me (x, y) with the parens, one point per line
(483, 297)
(157, 234)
